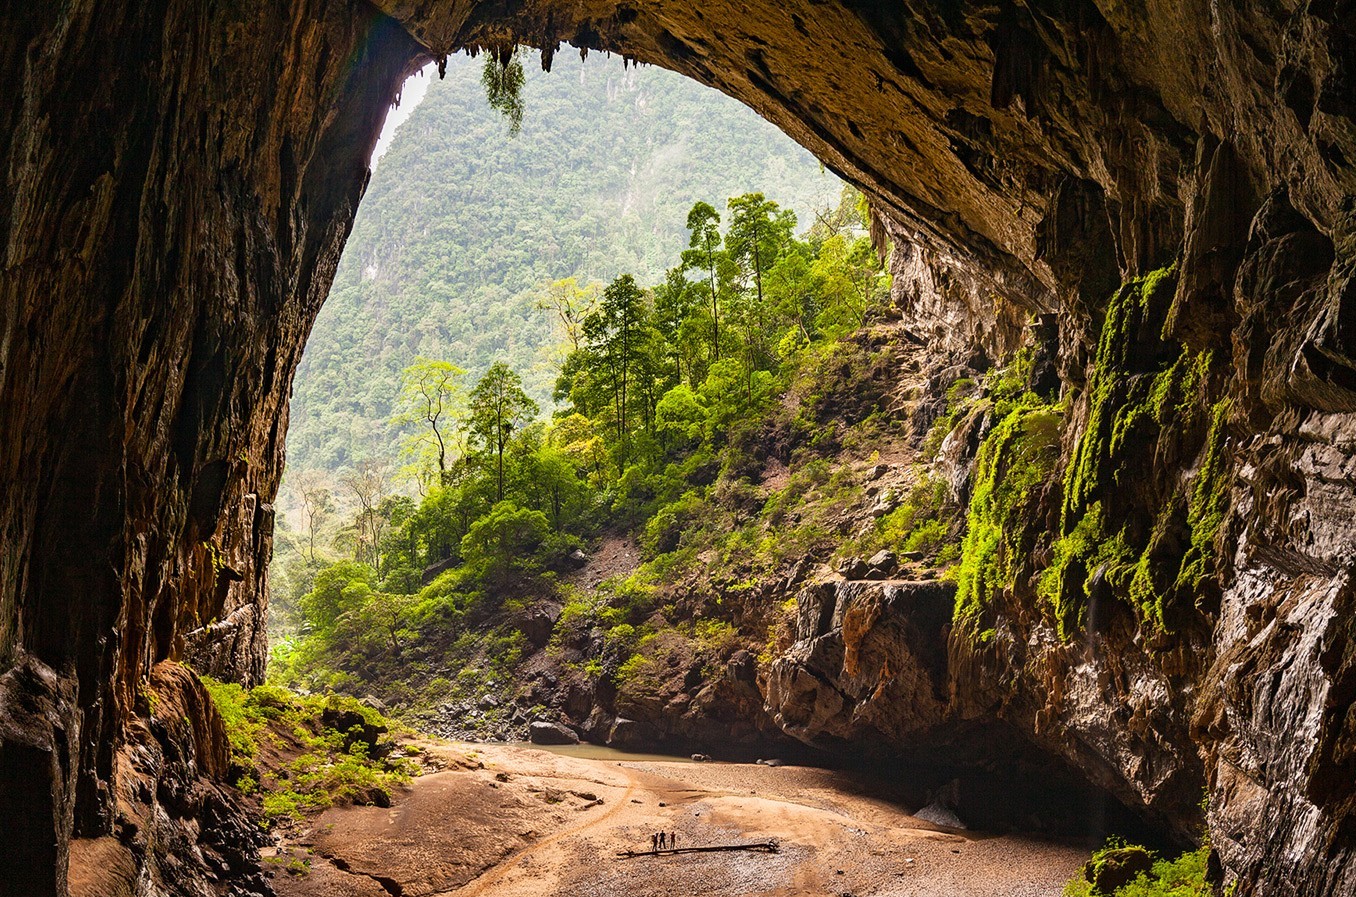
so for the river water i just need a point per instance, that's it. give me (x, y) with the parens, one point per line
(600, 752)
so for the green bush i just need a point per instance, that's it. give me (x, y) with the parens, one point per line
(323, 772)
(504, 540)
(665, 530)
(1184, 876)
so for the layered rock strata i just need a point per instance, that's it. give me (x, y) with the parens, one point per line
(179, 178)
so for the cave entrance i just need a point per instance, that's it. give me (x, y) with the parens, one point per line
(461, 235)
(180, 195)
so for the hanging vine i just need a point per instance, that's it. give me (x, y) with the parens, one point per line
(503, 80)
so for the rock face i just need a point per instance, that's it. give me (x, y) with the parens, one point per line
(177, 189)
(177, 829)
(38, 744)
(868, 664)
(175, 199)
(542, 732)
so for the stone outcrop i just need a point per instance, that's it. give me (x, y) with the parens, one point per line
(177, 828)
(39, 728)
(179, 178)
(542, 732)
(868, 665)
(179, 181)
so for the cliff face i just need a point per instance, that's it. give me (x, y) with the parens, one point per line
(179, 179)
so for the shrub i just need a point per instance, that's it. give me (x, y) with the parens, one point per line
(242, 720)
(503, 541)
(1111, 872)
(664, 531)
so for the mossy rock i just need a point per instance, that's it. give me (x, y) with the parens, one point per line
(1116, 867)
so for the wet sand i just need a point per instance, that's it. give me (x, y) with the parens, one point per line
(512, 821)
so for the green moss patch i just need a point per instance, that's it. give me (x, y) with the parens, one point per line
(1128, 525)
(1127, 870)
(302, 754)
(1016, 460)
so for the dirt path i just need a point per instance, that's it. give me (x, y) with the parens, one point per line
(614, 556)
(528, 823)
(490, 878)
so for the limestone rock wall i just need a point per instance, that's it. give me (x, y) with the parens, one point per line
(179, 178)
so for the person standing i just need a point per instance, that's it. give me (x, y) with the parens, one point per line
(673, 840)
(654, 842)
(661, 840)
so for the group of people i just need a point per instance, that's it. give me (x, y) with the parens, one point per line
(663, 841)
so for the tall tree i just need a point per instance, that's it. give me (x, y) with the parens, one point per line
(431, 396)
(571, 304)
(759, 232)
(851, 280)
(316, 504)
(703, 253)
(369, 484)
(617, 338)
(498, 408)
(673, 302)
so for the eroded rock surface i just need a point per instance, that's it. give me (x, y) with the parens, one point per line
(179, 178)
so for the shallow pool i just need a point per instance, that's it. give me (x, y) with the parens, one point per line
(601, 752)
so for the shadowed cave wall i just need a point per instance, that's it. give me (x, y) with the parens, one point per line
(180, 177)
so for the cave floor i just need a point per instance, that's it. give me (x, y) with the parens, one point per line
(507, 820)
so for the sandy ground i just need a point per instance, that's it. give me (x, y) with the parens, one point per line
(506, 821)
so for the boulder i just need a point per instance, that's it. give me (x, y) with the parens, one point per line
(939, 813)
(1117, 867)
(543, 732)
(537, 627)
(884, 561)
(577, 559)
(853, 568)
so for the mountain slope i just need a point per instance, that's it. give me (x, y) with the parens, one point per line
(463, 223)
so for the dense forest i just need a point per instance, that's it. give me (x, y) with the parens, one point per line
(659, 403)
(464, 228)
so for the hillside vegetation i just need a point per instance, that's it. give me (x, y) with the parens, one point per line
(743, 415)
(463, 229)
(664, 403)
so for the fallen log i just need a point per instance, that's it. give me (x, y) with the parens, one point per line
(770, 846)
